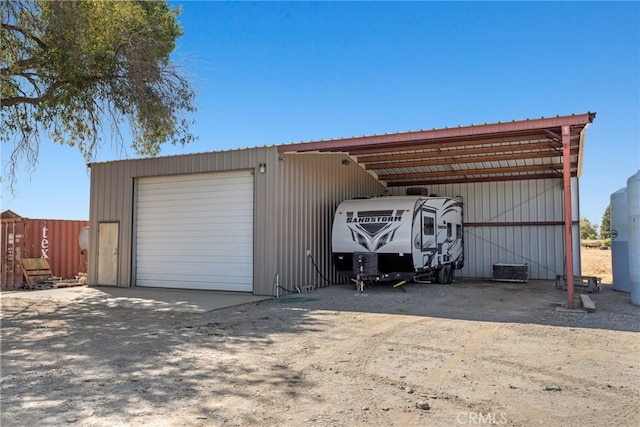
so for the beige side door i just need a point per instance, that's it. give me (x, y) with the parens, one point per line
(108, 253)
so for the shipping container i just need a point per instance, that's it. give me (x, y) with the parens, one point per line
(55, 240)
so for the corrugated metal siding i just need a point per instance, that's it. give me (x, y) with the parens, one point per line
(295, 202)
(491, 205)
(112, 199)
(309, 189)
(53, 239)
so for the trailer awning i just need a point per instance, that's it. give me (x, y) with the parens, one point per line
(505, 151)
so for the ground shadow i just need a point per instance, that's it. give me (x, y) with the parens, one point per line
(64, 361)
(68, 361)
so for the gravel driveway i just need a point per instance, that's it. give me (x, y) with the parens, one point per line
(471, 353)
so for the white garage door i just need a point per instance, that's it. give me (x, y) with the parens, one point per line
(195, 231)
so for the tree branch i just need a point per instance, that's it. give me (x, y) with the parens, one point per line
(35, 100)
(18, 66)
(14, 100)
(28, 35)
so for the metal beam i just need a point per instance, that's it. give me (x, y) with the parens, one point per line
(468, 172)
(446, 143)
(472, 179)
(507, 148)
(459, 159)
(568, 241)
(446, 133)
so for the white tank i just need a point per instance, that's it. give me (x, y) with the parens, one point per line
(83, 239)
(633, 226)
(620, 241)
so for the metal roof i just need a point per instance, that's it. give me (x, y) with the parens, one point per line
(504, 151)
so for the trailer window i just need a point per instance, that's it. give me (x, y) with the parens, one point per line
(449, 230)
(458, 231)
(428, 226)
(375, 213)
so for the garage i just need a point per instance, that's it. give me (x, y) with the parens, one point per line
(195, 231)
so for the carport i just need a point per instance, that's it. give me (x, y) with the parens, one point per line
(533, 149)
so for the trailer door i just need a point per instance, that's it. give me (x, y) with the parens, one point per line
(429, 241)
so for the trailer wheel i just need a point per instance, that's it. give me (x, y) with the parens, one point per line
(445, 275)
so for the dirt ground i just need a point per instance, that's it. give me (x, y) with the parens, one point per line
(596, 262)
(471, 353)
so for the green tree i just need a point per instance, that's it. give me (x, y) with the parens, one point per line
(77, 71)
(588, 231)
(605, 227)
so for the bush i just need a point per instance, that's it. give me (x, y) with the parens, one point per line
(590, 243)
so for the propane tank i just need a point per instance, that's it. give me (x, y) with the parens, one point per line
(619, 241)
(633, 226)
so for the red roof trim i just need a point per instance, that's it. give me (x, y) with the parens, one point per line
(466, 131)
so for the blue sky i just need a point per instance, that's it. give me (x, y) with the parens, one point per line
(272, 73)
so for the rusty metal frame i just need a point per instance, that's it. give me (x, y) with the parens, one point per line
(534, 149)
(527, 149)
(568, 240)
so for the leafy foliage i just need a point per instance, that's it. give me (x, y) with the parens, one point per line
(605, 227)
(588, 231)
(77, 69)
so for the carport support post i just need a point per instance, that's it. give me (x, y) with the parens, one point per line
(568, 241)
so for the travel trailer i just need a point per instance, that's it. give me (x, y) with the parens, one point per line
(398, 238)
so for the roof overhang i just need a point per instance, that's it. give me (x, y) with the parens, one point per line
(517, 150)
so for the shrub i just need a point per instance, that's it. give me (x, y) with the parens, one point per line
(590, 243)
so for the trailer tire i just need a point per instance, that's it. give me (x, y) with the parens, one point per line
(445, 275)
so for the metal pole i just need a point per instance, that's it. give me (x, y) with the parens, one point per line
(568, 241)
(13, 257)
(5, 253)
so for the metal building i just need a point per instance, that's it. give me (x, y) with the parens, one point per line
(235, 220)
(227, 220)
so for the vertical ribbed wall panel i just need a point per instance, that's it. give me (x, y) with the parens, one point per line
(295, 201)
(52, 239)
(517, 203)
(113, 195)
(311, 187)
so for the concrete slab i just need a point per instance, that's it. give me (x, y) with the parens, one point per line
(142, 298)
(570, 310)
